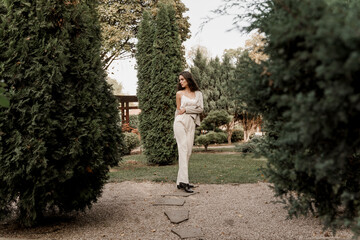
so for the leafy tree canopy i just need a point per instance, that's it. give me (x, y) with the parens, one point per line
(120, 22)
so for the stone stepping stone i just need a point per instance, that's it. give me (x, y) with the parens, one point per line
(1, 238)
(169, 202)
(179, 194)
(188, 232)
(177, 216)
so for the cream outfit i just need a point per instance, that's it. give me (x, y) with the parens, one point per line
(184, 129)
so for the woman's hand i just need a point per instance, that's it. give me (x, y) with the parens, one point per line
(182, 111)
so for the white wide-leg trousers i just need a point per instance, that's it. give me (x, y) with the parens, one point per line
(184, 129)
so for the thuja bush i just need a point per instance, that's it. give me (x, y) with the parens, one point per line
(61, 131)
(211, 138)
(308, 94)
(131, 141)
(160, 60)
(237, 136)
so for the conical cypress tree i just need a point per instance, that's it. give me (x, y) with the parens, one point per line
(144, 66)
(61, 132)
(167, 63)
(199, 69)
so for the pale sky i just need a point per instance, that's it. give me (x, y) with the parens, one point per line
(214, 36)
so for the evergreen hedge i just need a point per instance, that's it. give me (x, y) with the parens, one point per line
(144, 57)
(309, 96)
(158, 90)
(61, 131)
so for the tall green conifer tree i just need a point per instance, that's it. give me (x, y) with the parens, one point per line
(144, 59)
(61, 132)
(216, 76)
(199, 69)
(308, 93)
(167, 62)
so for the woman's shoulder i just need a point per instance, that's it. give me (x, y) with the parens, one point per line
(180, 92)
(198, 92)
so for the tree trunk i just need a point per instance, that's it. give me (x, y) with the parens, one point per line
(230, 130)
(246, 136)
(229, 137)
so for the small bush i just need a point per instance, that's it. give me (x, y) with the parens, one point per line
(131, 141)
(211, 138)
(237, 136)
(134, 121)
(251, 146)
(215, 119)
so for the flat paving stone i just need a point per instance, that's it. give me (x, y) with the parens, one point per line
(169, 202)
(179, 194)
(188, 232)
(177, 216)
(2, 238)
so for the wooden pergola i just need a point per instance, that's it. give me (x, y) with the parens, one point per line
(124, 101)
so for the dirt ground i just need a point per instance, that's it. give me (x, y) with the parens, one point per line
(126, 211)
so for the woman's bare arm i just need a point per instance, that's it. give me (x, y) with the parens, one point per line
(178, 103)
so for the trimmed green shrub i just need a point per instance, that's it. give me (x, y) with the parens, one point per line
(134, 121)
(237, 136)
(61, 132)
(214, 120)
(131, 141)
(211, 138)
(252, 146)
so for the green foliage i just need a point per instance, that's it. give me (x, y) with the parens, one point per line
(61, 131)
(159, 65)
(144, 66)
(252, 146)
(4, 102)
(252, 91)
(309, 96)
(214, 77)
(131, 141)
(199, 69)
(120, 24)
(211, 138)
(134, 121)
(215, 119)
(237, 136)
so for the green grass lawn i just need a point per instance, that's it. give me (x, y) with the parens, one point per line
(212, 168)
(214, 150)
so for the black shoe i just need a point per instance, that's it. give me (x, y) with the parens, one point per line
(190, 186)
(185, 186)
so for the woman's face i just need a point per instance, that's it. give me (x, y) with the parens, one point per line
(183, 81)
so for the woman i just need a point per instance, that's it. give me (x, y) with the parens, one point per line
(189, 105)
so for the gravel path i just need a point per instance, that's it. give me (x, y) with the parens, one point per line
(125, 211)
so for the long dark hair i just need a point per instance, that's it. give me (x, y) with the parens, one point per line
(190, 80)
